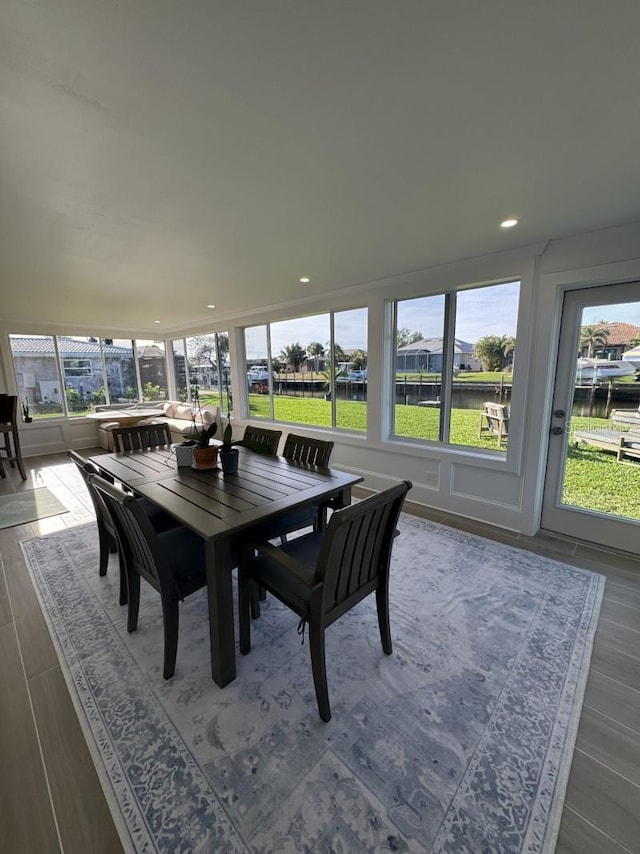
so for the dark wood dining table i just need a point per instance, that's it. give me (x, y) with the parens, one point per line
(224, 510)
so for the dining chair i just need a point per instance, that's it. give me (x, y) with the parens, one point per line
(107, 533)
(137, 437)
(320, 576)
(172, 562)
(269, 439)
(303, 449)
(315, 452)
(9, 433)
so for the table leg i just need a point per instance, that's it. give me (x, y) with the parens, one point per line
(220, 595)
(342, 499)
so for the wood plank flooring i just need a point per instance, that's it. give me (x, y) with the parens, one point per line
(50, 795)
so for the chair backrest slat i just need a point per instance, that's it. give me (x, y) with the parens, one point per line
(356, 550)
(261, 436)
(315, 452)
(138, 437)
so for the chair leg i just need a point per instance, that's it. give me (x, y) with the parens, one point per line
(245, 605)
(18, 453)
(124, 582)
(319, 669)
(321, 518)
(170, 619)
(106, 541)
(133, 586)
(254, 593)
(382, 602)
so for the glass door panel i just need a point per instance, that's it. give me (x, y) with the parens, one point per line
(592, 488)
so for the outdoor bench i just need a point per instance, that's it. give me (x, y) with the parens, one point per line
(622, 444)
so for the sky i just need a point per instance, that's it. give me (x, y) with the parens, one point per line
(350, 333)
(481, 311)
(628, 312)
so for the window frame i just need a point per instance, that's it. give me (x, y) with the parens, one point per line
(332, 368)
(59, 366)
(223, 376)
(512, 453)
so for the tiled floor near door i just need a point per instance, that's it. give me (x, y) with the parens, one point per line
(50, 796)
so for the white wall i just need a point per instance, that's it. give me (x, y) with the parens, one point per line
(504, 491)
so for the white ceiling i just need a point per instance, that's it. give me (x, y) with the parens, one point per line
(157, 152)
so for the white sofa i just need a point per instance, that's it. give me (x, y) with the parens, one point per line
(177, 415)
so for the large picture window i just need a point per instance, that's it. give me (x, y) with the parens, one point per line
(82, 373)
(203, 360)
(70, 374)
(120, 370)
(454, 359)
(310, 370)
(38, 377)
(152, 364)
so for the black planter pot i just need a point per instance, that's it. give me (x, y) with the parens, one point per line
(229, 460)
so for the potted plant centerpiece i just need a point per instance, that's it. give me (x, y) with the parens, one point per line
(228, 450)
(205, 456)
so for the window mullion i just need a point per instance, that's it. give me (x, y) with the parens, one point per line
(270, 371)
(103, 362)
(332, 369)
(448, 346)
(136, 365)
(56, 350)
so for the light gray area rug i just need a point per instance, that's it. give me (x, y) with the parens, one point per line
(461, 741)
(27, 506)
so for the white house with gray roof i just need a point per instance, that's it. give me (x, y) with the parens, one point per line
(426, 355)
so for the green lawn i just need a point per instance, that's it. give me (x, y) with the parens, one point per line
(418, 422)
(593, 478)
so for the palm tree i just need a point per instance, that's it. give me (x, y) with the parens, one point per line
(293, 354)
(314, 351)
(338, 353)
(330, 378)
(594, 338)
(359, 360)
(508, 349)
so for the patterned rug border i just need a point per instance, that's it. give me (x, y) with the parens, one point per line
(127, 816)
(543, 826)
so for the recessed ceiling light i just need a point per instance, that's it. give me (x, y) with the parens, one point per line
(211, 306)
(156, 321)
(508, 223)
(304, 280)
